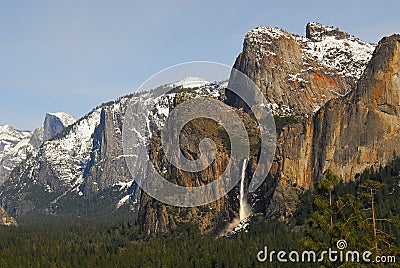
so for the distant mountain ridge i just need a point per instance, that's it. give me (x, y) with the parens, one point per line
(13, 149)
(15, 145)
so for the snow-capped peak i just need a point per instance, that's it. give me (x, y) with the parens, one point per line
(14, 145)
(317, 32)
(10, 131)
(336, 50)
(191, 82)
(331, 48)
(262, 32)
(5, 128)
(65, 118)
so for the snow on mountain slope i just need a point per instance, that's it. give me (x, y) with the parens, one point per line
(161, 105)
(51, 170)
(298, 75)
(71, 152)
(333, 49)
(341, 53)
(191, 82)
(10, 138)
(7, 132)
(88, 157)
(14, 146)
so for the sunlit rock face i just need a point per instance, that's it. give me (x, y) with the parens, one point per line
(349, 134)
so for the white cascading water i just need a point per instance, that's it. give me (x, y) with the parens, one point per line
(244, 210)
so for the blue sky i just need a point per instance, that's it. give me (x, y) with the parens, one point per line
(73, 55)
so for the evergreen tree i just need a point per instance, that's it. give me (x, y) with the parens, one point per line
(374, 237)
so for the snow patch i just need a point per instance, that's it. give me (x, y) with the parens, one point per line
(123, 201)
(123, 185)
(348, 57)
(191, 82)
(345, 55)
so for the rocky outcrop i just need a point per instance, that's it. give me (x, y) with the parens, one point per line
(154, 216)
(37, 137)
(317, 32)
(299, 75)
(6, 219)
(106, 165)
(211, 218)
(53, 124)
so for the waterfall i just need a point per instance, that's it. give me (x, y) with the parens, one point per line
(244, 210)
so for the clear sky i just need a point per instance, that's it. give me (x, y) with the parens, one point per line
(73, 55)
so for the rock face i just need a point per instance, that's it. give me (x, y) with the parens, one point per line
(53, 124)
(362, 129)
(6, 219)
(357, 126)
(299, 75)
(37, 138)
(155, 216)
(349, 134)
(106, 165)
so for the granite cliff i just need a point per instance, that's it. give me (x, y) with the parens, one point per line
(349, 134)
(298, 75)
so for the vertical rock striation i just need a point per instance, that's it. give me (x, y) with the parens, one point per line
(349, 134)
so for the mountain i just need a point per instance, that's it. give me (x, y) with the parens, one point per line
(298, 75)
(348, 135)
(335, 100)
(53, 124)
(15, 145)
(72, 173)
